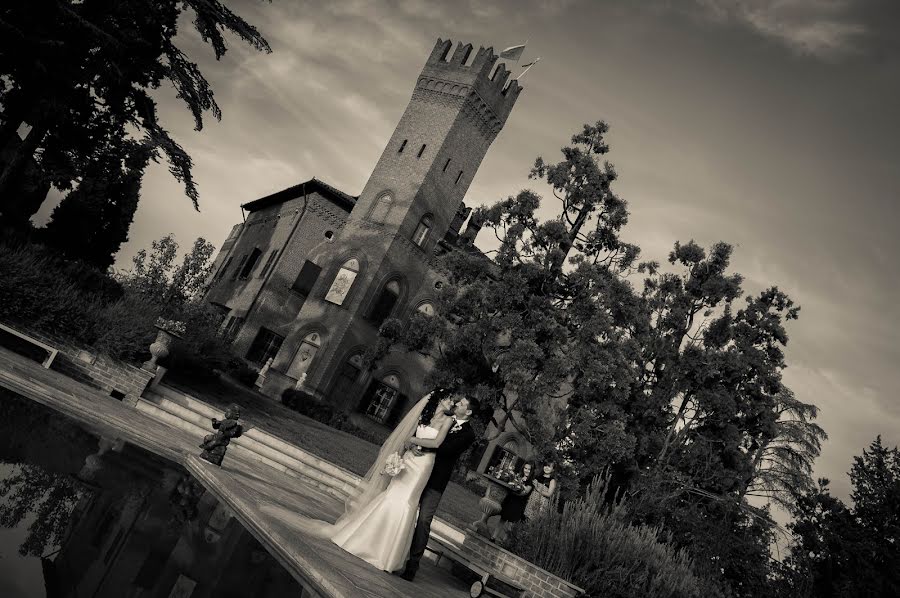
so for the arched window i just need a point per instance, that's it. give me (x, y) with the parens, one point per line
(381, 208)
(421, 234)
(309, 346)
(342, 282)
(426, 308)
(264, 347)
(385, 303)
(384, 398)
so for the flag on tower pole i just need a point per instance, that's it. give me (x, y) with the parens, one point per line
(527, 66)
(513, 52)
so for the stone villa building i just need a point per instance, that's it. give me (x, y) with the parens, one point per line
(312, 272)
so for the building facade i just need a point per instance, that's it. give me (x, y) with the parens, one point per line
(310, 275)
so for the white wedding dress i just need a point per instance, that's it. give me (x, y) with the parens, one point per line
(381, 532)
(380, 516)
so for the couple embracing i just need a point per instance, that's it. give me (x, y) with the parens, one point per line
(388, 519)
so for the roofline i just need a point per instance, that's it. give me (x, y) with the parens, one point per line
(338, 197)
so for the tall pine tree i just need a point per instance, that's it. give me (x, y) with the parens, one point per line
(92, 221)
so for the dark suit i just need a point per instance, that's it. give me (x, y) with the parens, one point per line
(446, 456)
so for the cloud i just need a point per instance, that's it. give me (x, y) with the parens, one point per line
(821, 28)
(852, 415)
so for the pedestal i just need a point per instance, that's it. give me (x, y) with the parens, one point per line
(490, 504)
(160, 348)
(276, 383)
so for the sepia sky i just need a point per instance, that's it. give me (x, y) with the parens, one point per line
(770, 124)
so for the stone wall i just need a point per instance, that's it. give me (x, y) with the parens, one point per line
(537, 582)
(121, 380)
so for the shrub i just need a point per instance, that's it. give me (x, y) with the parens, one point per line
(124, 329)
(595, 548)
(72, 301)
(308, 405)
(80, 303)
(241, 372)
(202, 352)
(311, 407)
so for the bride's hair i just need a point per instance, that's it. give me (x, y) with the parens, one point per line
(437, 395)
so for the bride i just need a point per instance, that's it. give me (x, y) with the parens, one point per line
(380, 517)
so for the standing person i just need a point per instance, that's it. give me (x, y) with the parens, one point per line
(512, 510)
(458, 440)
(544, 487)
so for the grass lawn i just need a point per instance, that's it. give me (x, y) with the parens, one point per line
(459, 505)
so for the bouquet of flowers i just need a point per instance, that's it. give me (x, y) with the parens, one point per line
(394, 465)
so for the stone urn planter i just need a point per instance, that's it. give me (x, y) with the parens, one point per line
(167, 334)
(491, 502)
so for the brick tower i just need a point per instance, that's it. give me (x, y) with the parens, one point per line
(381, 262)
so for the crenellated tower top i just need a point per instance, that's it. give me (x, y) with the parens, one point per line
(475, 78)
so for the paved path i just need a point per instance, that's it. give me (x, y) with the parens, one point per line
(242, 485)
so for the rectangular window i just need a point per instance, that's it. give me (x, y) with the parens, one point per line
(264, 347)
(384, 304)
(382, 403)
(402, 146)
(240, 265)
(221, 271)
(446, 164)
(250, 264)
(232, 328)
(421, 234)
(272, 255)
(309, 273)
(459, 176)
(421, 151)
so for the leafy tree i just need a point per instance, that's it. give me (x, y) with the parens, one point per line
(50, 497)
(176, 291)
(720, 368)
(157, 278)
(782, 464)
(92, 221)
(31, 187)
(672, 390)
(65, 62)
(876, 494)
(513, 347)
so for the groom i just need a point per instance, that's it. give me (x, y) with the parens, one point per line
(459, 439)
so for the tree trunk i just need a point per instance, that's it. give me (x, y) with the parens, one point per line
(566, 244)
(14, 115)
(18, 158)
(8, 130)
(681, 409)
